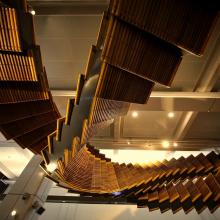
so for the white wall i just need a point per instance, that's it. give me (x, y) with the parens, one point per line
(67, 211)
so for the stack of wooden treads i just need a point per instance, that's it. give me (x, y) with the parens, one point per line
(198, 193)
(141, 43)
(184, 23)
(27, 111)
(192, 182)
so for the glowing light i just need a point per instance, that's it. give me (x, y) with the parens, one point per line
(165, 144)
(13, 213)
(134, 114)
(116, 193)
(51, 167)
(128, 142)
(32, 12)
(171, 114)
(175, 144)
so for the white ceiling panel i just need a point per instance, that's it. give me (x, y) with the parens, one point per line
(150, 125)
(65, 44)
(205, 126)
(67, 26)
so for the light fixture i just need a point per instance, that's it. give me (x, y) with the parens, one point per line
(39, 209)
(13, 213)
(134, 114)
(26, 196)
(165, 144)
(170, 114)
(175, 144)
(51, 167)
(128, 142)
(32, 11)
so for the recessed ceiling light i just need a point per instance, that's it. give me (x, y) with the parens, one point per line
(175, 144)
(134, 114)
(170, 114)
(51, 167)
(32, 12)
(13, 213)
(165, 144)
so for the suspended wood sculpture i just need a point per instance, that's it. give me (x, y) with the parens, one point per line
(140, 43)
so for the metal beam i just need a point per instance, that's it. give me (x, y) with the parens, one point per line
(155, 94)
(86, 200)
(188, 95)
(209, 76)
(180, 101)
(63, 93)
(154, 144)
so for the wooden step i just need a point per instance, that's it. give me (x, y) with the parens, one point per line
(140, 53)
(9, 30)
(17, 111)
(34, 136)
(120, 85)
(17, 67)
(80, 84)
(187, 24)
(23, 126)
(69, 110)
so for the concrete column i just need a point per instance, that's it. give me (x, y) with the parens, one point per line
(34, 185)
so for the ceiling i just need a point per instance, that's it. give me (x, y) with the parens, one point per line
(65, 30)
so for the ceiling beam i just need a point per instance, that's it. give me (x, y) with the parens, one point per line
(155, 94)
(153, 144)
(63, 93)
(177, 101)
(209, 76)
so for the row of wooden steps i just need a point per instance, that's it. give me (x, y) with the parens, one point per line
(23, 110)
(184, 23)
(131, 179)
(140, 53)
(28, 113)
(16, 26)
(198, 194)
(17, 67)
(120, 85)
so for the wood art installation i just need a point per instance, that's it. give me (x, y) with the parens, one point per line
(139, 45)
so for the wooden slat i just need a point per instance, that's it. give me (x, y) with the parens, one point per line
(80, 84)
(120, 85)
(60, 123)
(23, 126)
(69, 110)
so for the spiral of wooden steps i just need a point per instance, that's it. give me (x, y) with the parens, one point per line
(135, 49)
